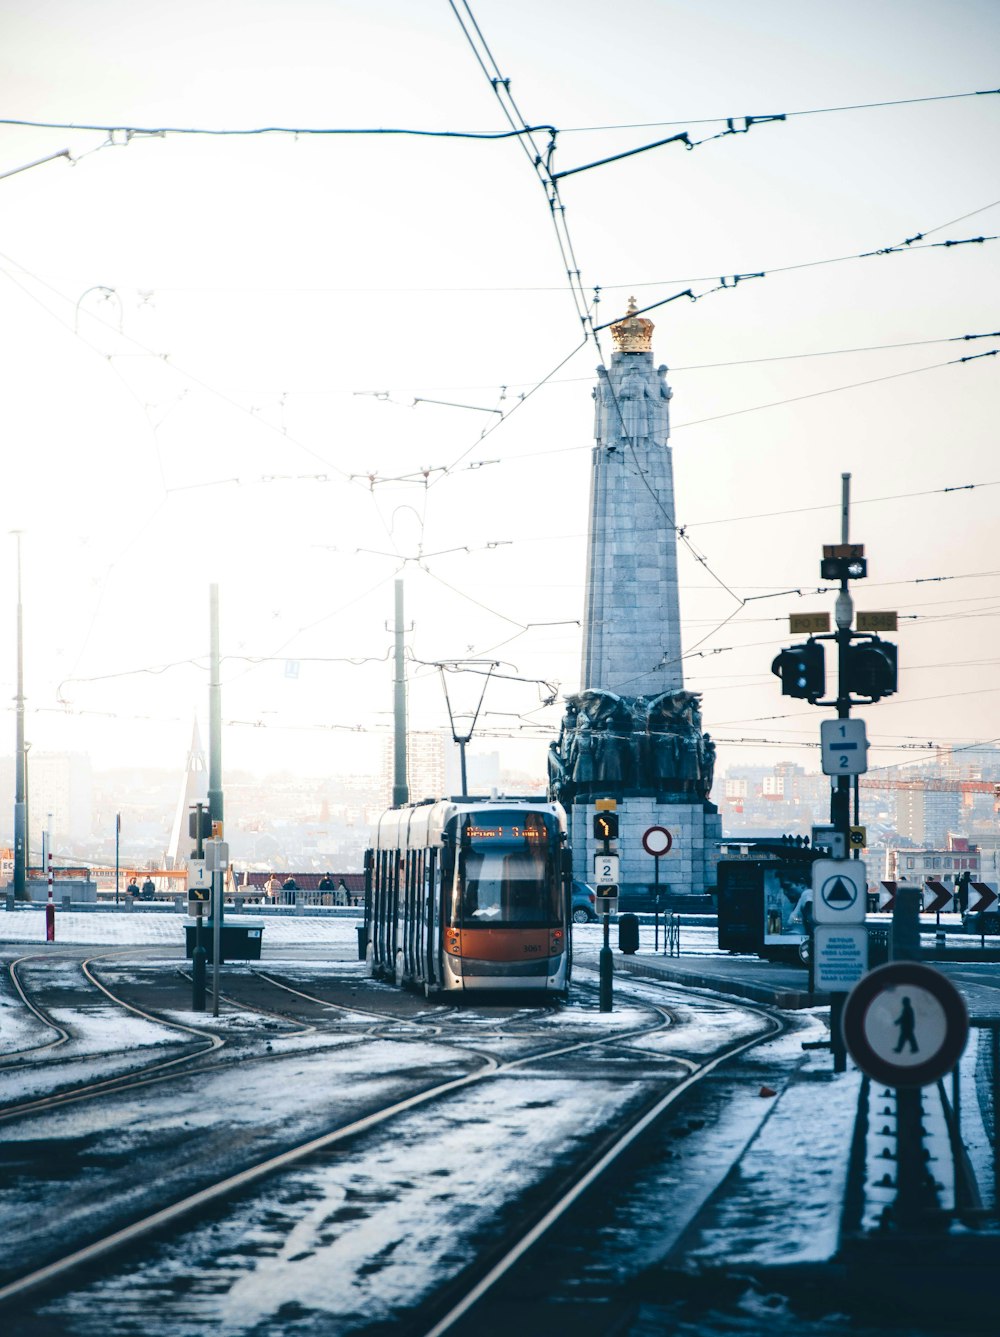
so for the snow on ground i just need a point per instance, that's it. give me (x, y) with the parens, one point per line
(132, 928)
(359, 1238)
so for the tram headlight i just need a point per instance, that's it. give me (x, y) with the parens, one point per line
(453, 942)
(557, 942)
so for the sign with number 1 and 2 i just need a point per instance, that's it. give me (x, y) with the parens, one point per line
(844, 747)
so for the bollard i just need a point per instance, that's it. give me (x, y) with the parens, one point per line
(628, 934)
(67, 903)
(10, 900)
(50, 919)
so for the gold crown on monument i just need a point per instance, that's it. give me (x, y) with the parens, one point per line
(634, 334)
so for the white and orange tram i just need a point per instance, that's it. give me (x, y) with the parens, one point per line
(470, 894)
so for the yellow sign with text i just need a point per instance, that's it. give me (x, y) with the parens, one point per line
(804, 624)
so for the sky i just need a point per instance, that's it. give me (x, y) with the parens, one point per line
(222, 355)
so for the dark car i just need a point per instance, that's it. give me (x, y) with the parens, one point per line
(584, 902)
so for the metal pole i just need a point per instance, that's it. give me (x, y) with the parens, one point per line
(400, 789)
(995, 1061)
(20, 759)
(216, 934)
(840, 797)
(607, 968)
(461, 753)
(198, 959)
(656, 906)
(118, 836)
(50, 907)
(215, 723)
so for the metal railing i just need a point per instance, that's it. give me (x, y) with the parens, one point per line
(672, 936)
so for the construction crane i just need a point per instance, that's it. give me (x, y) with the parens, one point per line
(935, 785)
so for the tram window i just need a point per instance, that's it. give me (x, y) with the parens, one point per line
(512, 886)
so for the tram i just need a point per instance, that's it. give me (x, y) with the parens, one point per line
(467, 894)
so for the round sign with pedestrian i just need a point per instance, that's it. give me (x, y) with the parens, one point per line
(905, 1024)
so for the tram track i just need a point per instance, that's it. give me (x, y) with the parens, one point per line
(476, 1286)
(117, 1083)
(602, 1153)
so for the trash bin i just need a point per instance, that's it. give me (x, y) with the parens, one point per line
(362, 942)
(628, 934)
(237, 942)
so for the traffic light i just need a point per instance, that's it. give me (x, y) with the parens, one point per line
(802, 670)
(605, 826)
(206, 823)
(871, 669)
(843, 568)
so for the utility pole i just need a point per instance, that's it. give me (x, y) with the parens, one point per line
(215, 726)
(866, 672)
(20, 757)
(400, 789)
(840, 793)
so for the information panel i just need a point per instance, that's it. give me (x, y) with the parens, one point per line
(841, 956)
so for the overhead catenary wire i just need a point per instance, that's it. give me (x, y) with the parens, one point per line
(159, 131)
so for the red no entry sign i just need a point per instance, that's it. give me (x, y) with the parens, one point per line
(657, 841)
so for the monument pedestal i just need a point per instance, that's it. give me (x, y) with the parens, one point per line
(688, 870)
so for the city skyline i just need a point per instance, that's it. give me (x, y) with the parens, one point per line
(269, 362)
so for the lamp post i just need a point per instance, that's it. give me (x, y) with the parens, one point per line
(20, 755)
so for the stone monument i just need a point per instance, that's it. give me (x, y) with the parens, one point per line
(632, 733)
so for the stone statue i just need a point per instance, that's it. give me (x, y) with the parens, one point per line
(583, 754)
(707, 764)
(557, 773)
(632, 402)
(625, 743)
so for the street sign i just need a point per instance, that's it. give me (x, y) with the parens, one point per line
(886, 896)
(857, 837)
(217, 855)
(805, 624)
(840, 891)
(877, 621)
(657, 841)
(198, 900)
(936, 897)
(986, 896)
(905, 1024)
(829, 839)
(607, 899)
(606, 868)
(198, 875)
(844, 747)
(841, 956)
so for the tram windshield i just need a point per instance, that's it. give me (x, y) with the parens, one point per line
(507, 872)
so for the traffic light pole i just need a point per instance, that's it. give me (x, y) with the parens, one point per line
(840, 794)
(199, 957)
